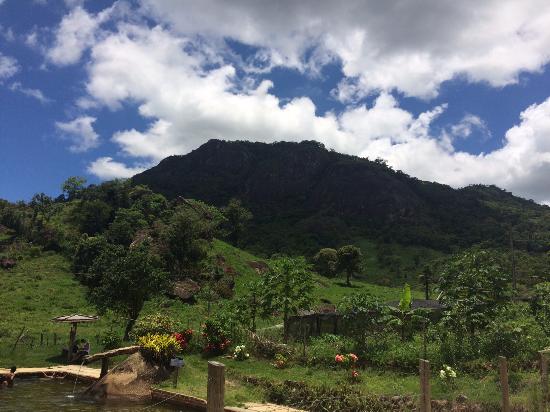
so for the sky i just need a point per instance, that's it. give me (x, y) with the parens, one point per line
(456, 92)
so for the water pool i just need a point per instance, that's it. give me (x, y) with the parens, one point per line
(47, 395)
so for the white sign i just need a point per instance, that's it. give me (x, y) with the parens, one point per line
(177, 362)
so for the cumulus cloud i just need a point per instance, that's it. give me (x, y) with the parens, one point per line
(8, 66)
(107, 168)
(383, 45)
(468, 125)
(80, 132)
(34, 93)
(77, 31)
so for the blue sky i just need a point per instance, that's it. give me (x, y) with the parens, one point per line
(451, 92)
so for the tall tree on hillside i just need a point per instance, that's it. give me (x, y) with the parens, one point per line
(124, 280)
(325, 262)
(349, 259)
(184, 241)
(73, 187)
(237, 217)
(287, 287)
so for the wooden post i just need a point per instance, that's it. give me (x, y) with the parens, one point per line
(72, 338)
(425, 390)
(104, 367)
(543, 379)
(216, 387)
(503, 366)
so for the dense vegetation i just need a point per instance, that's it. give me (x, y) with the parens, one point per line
(129, 248)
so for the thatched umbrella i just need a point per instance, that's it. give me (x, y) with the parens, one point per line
(74, 320)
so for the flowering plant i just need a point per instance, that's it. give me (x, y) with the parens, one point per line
(159, 347)
(184, 338)
(447, 375)
(240, 353)
(355, 377)
(281, 361)
(215, 338)
(346, 360)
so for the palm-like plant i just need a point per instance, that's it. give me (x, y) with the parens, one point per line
(403, 316)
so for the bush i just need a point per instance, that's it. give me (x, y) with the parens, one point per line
(184, 338)
(514, 334)
(153, 324)
(110, 340)
(216, 337)
(159, 348)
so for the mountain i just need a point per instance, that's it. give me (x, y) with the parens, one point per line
(304, 196)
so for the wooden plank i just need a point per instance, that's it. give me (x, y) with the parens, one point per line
(503, 367)
(128, 350)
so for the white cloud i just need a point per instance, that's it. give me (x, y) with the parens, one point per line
(34, 93)
(468, 125)
(8, 66)
(80, 132)
(384, 45)
(106, 168)
(77, 31)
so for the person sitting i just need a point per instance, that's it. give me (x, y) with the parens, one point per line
(9, 378)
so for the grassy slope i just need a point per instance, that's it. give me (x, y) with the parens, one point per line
(43, 287)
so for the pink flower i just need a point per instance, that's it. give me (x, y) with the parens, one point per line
(354, 374)
(339, 358)
(353, 357)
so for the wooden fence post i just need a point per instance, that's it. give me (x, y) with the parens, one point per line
(503, 366)
(543, 379)
(425, 390)
(104, 367)
(216, 387)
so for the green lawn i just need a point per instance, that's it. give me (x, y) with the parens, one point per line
(193, 380)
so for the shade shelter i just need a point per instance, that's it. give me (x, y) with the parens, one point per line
(74, 320)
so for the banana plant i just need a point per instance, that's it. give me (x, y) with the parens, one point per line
(403, 316)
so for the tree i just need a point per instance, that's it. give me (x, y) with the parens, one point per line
(540, 305)
(91, 216)
(237, 217)
(126, 224)
(326, 262)
(41, 205)
(184, 241)
(287, 287)
(128, 278)
(247, 306)
(427, 278)
(349, 258)
(73, 186)
(363, 315)
(474, 285)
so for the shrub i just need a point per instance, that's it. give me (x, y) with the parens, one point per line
(184, 338)
(240, 353)
(159, 348)
(153, 324)
(111, 340)
(215, 335)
